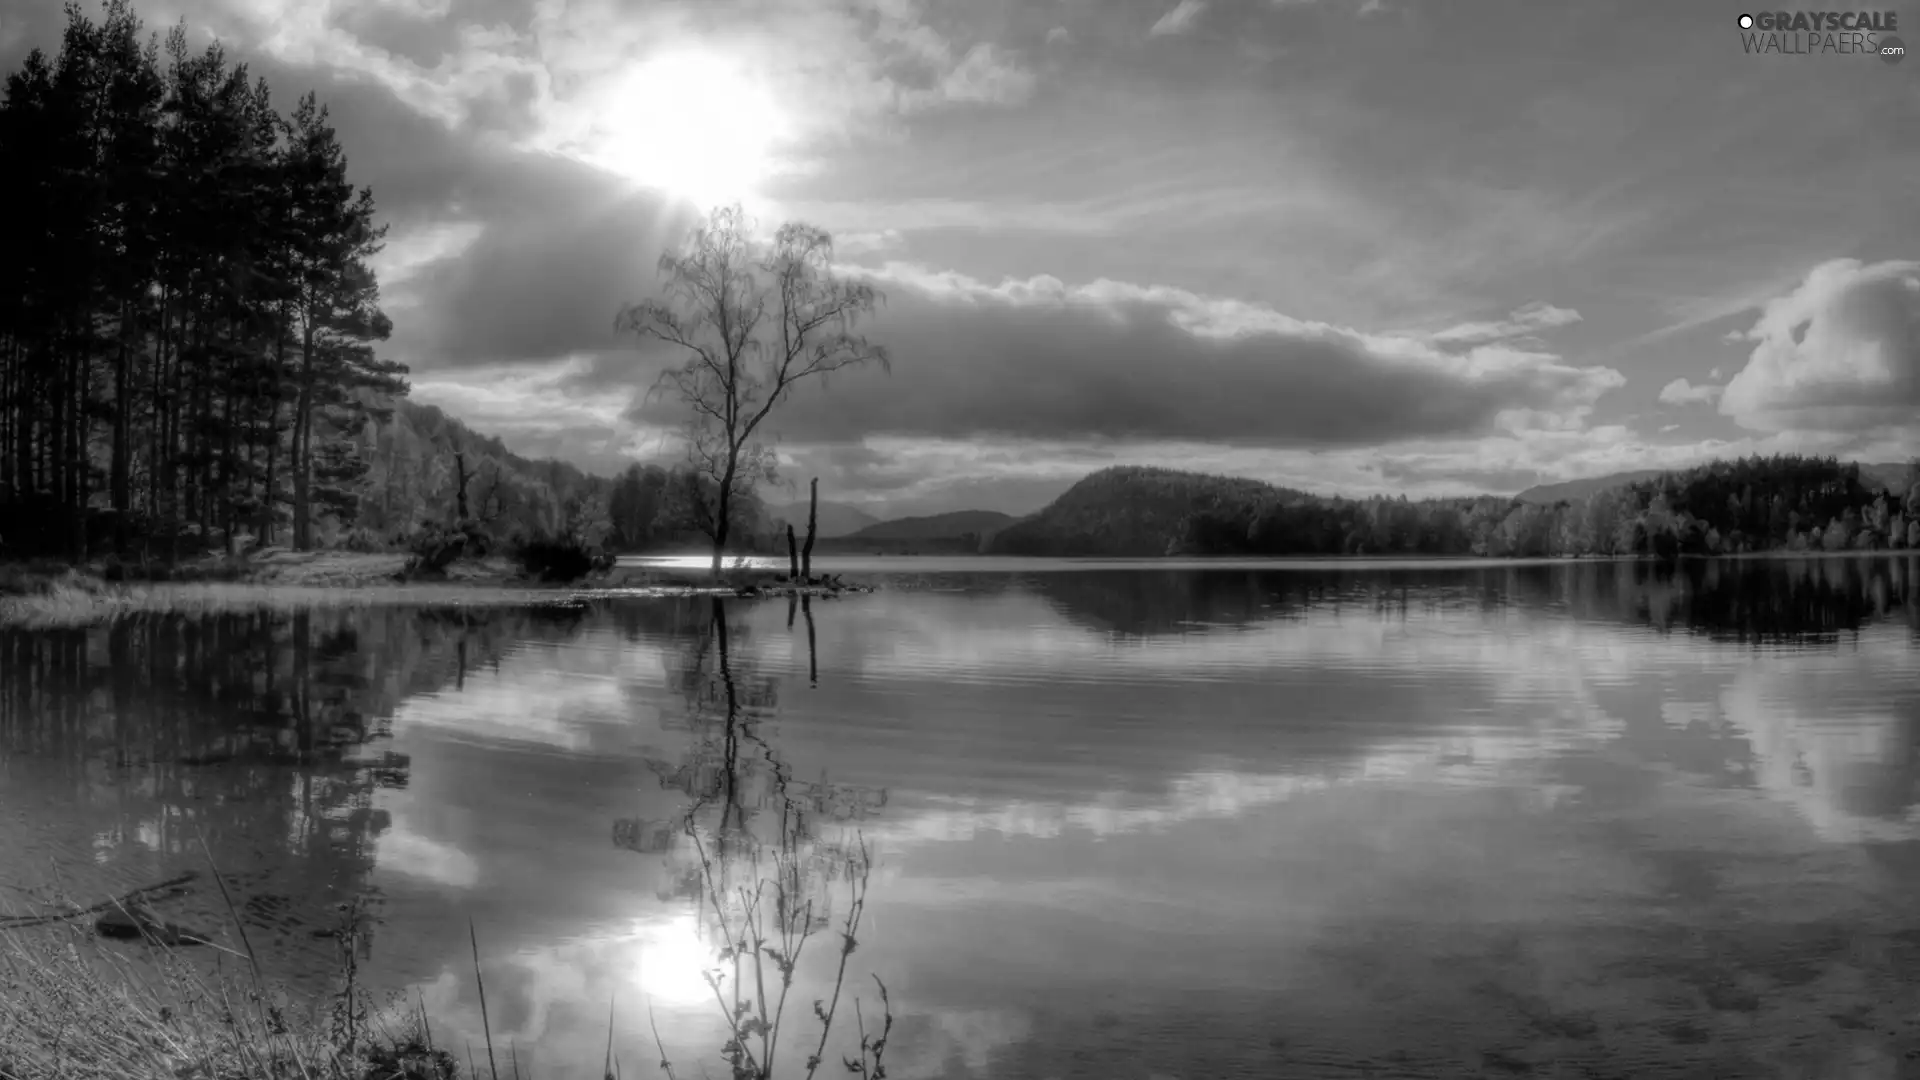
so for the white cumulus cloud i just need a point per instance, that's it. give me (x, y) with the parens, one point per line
(1839, 353)
(1681, 392)
(1179, 20)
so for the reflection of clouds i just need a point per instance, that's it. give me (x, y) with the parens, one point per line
(1846, 768)
(1687, 713)
(1018, 637)
(1452, 756)
(551, 695)
(971, 1035)
(403, 850)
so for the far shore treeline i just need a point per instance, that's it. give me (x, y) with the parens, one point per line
(1783, 503)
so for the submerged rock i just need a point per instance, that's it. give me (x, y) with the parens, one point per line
(137, 922)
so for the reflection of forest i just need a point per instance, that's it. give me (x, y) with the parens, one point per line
(259, 731)
(1757, 599)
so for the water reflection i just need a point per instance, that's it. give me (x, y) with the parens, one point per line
(1627, 819)
(263, 734)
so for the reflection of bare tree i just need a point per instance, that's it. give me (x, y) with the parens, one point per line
(756, 851)
(743, 800)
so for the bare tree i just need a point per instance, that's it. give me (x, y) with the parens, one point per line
(752, 320)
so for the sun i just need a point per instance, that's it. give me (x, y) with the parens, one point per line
(696, 124)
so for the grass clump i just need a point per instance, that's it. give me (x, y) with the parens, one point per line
(75, 1011)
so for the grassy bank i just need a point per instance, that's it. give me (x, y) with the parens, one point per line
(49, 595)
(77, 1009)
(81, 1012)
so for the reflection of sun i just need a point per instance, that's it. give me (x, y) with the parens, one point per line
(674, 961)
(694, 123)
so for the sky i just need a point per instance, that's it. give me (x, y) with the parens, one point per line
(1353, 246)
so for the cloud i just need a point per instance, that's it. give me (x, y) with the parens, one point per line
(553, 250)
(1180, 19)
(1040, 359)
(1680, 392)
(1530, 319)
(549, 75)
(1840, 353)
(1058, 34)
(867, 243)
(985, 75)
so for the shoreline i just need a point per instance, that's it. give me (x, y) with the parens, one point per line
(47, 596)
(67, 596)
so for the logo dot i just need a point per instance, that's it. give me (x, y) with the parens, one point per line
(1746, 22)
(1892, 50)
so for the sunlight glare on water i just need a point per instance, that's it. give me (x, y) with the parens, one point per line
(672, 962)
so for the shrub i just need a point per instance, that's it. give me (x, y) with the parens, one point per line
(554, 559)
(29, 579)
(436, 546)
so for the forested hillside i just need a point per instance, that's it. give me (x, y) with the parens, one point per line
(1754, 504)
(428, 469)
(959, 532)
(957, 524)
(1889, 475)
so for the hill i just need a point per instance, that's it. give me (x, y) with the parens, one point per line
(1784, 502)
(959, 523)
(961, 532)
(1891, 476)
(834, 520)
(1128, 511)
(1576, 490)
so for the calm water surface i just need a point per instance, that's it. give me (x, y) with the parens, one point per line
(1591, 820)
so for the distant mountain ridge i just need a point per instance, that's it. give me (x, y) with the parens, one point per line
(835, 520)
(1129, 511)
(950, 525)
(1731, 506)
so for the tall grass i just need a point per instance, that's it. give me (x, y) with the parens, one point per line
(74, 1009)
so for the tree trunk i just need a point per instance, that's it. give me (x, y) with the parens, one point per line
(77, 459)
(723, 513)
(460, 472)
(813, 516)
(813, 650)
(266, 494)
(122, 419)
(300, 457)
(793, 555)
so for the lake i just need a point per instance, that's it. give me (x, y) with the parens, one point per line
(1216, 820)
